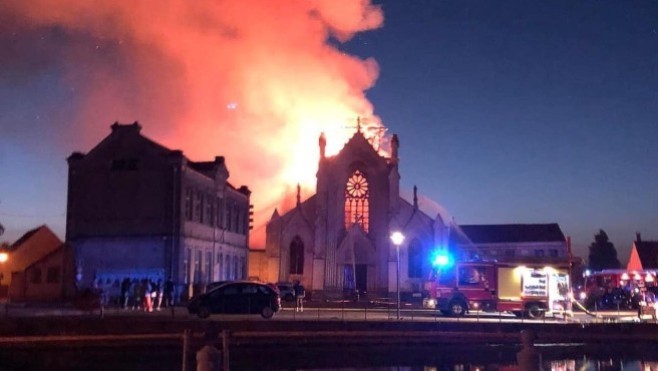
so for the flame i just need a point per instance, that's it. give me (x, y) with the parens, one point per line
(256, 82)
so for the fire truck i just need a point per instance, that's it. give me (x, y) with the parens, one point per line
(525, 290)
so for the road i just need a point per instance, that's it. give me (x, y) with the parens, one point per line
(316, 312)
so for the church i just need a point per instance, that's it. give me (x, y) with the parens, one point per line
(338, 241)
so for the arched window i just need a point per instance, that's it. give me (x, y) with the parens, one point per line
(297, 256)
(415, 263)
(356, 201)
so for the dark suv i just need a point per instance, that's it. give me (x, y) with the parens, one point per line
(240, 297)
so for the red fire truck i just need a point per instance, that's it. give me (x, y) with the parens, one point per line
(528, 290)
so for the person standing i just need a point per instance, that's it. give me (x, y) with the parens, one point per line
(168, 292)
(147, 290)
(159, 293)
(300, 294)
(125, 292)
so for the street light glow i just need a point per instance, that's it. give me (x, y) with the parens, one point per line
(3, 257)
(397, 238)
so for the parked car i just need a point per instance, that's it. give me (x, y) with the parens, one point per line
(215, 284)
(286, 291)
(239, 297)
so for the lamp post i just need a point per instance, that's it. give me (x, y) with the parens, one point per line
(397, 238)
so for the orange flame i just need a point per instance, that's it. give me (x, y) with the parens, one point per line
(254, 81)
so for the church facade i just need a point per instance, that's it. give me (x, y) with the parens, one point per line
(337, 241)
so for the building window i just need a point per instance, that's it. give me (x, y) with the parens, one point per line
(220, 265)
(240, 220)
(539, 253)
(553, 253)
(186, 265)
(220, 212)
(202, 211)
(356, 201)
(211, 211)
(296, 256)
(227, 264)
(229, 215)
(509, 253)
(208, 266)
(35, 276)
(197, 267)
(188, 203)
(236, 217)
(235, 267)
(124, 164)
(52, 275)
(415, 261)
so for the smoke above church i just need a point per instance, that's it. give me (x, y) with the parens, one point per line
(255, 81)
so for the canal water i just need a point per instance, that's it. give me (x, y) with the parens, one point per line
(572, 357)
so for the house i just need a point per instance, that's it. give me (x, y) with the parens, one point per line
(39, 268)
(512, 242)
(137, 209)
(644, 254)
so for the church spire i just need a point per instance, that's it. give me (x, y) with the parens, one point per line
(395, 144)
(415, 197)
(299, 195)
(323, 145)
(358, 124)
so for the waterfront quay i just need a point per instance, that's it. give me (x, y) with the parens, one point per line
(243, 330)
(136, 340)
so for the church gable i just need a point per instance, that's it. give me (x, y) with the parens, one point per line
(359, 149)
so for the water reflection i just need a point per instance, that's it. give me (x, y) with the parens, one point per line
(464, 358)
(574, 357)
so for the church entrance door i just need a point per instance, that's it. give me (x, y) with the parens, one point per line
(361, 278)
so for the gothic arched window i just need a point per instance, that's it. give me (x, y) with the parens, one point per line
(415, 263)
(297, 256)
(356, 201)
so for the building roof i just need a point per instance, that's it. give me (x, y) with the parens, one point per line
(647, 251)
(26, 237)
(513, 233)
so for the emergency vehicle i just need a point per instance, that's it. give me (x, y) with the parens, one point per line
(533, 291)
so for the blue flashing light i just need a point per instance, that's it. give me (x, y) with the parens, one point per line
(441, 259)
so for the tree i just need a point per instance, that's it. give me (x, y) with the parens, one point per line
(602, 253)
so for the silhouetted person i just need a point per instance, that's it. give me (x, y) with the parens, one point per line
(300, 294)
(168, 292)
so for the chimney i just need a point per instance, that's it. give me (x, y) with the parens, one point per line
(638, 237)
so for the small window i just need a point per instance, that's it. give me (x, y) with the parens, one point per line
(471, 275)
(35, 277)
(540, 253)
(553, 253)
(231, 290)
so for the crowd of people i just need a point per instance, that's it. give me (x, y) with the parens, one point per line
(140, 294)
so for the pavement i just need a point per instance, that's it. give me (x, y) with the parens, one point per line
(410, 310)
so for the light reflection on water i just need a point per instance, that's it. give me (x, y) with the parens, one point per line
(612, 357)
(555, 365)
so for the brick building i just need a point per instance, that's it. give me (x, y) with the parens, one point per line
(137, 209)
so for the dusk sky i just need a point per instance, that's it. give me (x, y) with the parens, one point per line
(507, 111)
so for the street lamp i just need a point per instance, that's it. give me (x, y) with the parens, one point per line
(397, 238)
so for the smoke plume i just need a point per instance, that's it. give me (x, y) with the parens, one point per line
(253, 80)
